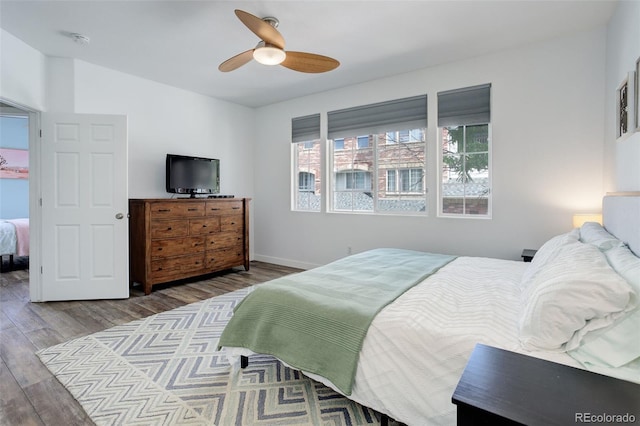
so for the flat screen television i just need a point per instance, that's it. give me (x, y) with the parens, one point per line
(192, 175)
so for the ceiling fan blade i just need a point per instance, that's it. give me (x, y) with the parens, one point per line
(309, 62)
(261, 28)
(236, 61)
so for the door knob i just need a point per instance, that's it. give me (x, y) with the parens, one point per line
(119, 216)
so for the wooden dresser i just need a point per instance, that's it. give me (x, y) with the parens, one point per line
(172, 239)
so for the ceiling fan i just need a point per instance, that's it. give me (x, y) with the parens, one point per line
(270, 50)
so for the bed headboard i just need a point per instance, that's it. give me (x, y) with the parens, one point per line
(621, 216)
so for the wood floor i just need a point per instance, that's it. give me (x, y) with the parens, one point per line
(29, 394)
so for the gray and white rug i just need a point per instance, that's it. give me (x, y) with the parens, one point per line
(165, 370)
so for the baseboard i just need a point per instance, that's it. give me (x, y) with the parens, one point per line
(284, 262)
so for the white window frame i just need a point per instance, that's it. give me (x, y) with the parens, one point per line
(398, 180)
(375, 141)
(440, 204)
(310, 181)
(295, 175)
(367, 180)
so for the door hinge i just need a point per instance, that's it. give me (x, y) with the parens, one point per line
(40, 132)
(40, 201)
(41, 270)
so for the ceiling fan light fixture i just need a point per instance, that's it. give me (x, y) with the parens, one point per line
(270, 49)
(269, 55)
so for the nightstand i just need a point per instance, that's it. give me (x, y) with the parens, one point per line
(499, 387)
(527, 254)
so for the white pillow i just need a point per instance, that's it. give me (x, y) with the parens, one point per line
(593, 233)
(575, 286)
(545, 252)
(619, 343)
(626, 264)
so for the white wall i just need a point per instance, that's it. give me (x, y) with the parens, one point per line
(163, 119)
(548, 131)
(22, 72)
(622, 160)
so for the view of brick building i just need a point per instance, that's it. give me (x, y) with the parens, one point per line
(386, 173)
(396, 184)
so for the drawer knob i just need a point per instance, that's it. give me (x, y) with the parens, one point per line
(164, 210)
(236, 208)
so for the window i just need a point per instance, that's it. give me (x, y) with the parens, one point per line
(363, 142)
(354, 180)
(464, 132)
(306, 181)
(378, 165)
(307, 163)
(405, 136)
(405, 181)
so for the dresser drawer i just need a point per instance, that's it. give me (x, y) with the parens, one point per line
(225, 240)
(232, 223)
(169, 228)
(176, 266)
(177, 247)
(175, 209)
(204, 226)
(224, 259)
(223, 207)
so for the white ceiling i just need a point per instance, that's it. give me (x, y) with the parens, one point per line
(181, 43)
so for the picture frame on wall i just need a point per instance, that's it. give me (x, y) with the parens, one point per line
(622, 109)
(636, 96)
(14, 163)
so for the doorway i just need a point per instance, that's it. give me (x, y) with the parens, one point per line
(19, 183)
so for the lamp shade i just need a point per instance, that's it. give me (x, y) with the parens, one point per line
(580, 218)
(268, 55)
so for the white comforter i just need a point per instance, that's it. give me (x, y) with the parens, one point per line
(417, 347)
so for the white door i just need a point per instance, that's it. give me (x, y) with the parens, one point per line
(85, 252)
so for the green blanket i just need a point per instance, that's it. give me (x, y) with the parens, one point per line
(316, 320)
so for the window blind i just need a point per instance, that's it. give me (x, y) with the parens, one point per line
(305, 128)
(466, 106)
(389, 116)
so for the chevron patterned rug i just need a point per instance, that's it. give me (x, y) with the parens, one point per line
(165, 370)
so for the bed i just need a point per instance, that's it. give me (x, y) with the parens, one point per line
(14, 238)
(576, 303)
